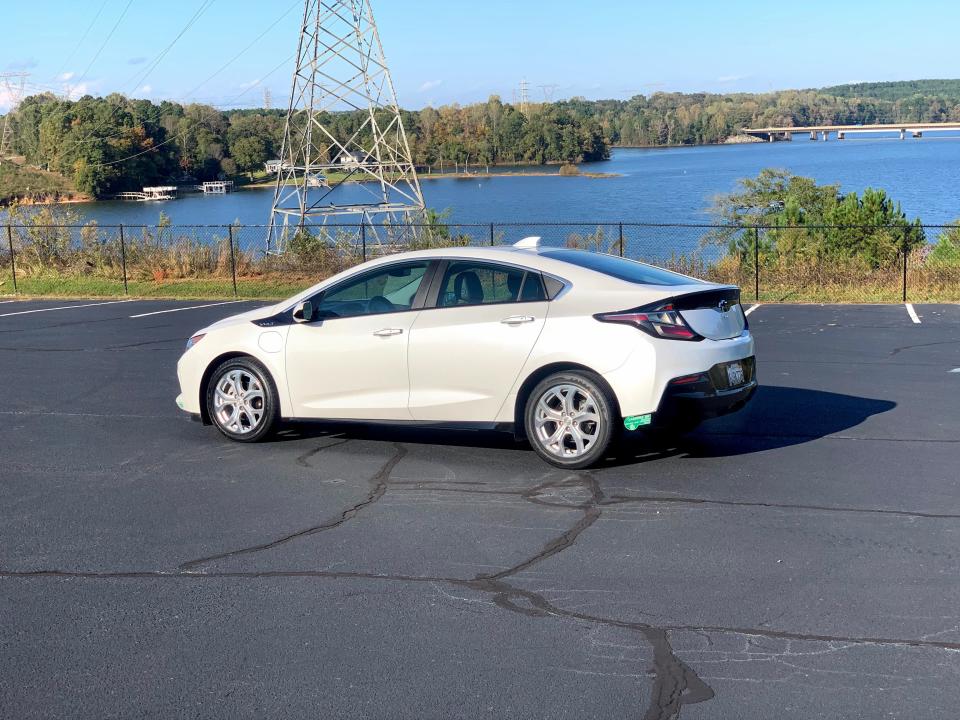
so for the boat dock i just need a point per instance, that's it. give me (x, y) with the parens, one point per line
(217, 187)
(161, 192)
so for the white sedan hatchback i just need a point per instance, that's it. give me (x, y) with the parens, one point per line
(566, 348)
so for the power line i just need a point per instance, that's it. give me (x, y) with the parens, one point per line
(90, 137)
(82, 38)
(138, 78)
(105, 41)
(199, 120)
(242, 52)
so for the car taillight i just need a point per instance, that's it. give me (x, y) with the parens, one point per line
(663, 321)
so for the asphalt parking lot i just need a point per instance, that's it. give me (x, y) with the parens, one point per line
(799, 559)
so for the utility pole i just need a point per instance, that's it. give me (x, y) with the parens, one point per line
(341, 67)
(12, 84)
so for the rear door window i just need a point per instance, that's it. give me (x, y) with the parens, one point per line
(475, 283)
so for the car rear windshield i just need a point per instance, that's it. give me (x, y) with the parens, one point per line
(618, 267)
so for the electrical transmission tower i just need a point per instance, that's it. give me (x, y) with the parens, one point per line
(341, 67)
(524, 96)
(548, 91)
(12, 84)
(267, 99)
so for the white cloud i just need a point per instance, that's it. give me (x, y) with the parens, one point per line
(730, 78)
(430, 85)
(66, 77)
(145, 90)
(74, 92)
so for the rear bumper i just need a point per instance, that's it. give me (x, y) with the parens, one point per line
(708, 397)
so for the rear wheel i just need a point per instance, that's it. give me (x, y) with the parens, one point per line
(569, 419)
(241, 400)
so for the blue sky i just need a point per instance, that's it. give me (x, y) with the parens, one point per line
(452, 51)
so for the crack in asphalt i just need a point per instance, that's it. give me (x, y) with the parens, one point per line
(623, 499)
(674, 682)
(897, 351)
(685, 500)
(379, 487)
(541, 609)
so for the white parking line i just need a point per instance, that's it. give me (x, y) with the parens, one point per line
(4, 302)
(912, 313)
(751, 309)
(64, 307)
(194, 307)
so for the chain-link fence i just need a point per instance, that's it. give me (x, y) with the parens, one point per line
(771, 264)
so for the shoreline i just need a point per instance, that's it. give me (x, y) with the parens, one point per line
(466, 176)
(261, 185)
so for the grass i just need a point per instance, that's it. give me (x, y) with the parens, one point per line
(17, 182)
(188, 289)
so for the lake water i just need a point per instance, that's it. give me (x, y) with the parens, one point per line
(668, 185)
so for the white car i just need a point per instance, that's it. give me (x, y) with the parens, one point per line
(565, 347)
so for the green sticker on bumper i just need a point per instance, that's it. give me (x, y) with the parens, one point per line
(634, 421)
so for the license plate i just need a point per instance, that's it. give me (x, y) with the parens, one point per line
(735, 374)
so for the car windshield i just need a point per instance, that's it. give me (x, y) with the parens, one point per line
(618, 267)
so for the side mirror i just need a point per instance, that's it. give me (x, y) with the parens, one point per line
(303, 312)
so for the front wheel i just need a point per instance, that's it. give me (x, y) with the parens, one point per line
(241, 400)
(569, 419)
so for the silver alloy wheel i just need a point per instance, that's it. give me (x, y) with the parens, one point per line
(567, 421)
(239, 401)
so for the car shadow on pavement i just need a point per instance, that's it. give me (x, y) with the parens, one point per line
(776, 417)
(413, 434)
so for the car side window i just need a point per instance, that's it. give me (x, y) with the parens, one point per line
(473, 283)
(384, 290)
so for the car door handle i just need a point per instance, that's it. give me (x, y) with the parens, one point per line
(386, 332)
(517, 319)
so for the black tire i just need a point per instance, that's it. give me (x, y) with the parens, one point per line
(564, 451)
(255, 419)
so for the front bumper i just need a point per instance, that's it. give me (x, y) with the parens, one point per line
(708, 397)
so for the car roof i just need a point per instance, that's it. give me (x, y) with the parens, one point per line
(533, 258)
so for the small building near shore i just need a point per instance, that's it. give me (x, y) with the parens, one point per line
(354, 158)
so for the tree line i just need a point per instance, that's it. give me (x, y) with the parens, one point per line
(110, 144)
(704, 118)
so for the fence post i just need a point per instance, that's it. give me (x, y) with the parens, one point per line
(905, 265)
(363, 238)
(233, 260)
(491, 234)
(123, 260)
(13, 262)
(621, 239)
(756, 264)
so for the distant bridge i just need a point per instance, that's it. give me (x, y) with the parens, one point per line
(824, 131)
